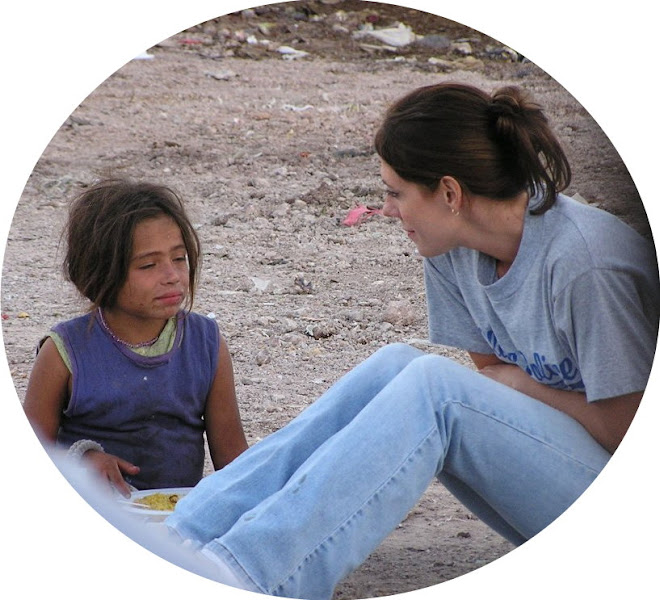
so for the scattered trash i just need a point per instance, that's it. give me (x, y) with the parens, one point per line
(461, 47)
(398, 36)
(260, 284)
(23, 315)
(297, 108)
(290, 53)
(360, 214)
(144, 56)
(506, 53)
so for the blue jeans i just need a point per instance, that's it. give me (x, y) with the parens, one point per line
(301, 509)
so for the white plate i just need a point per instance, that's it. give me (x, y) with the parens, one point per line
(150, 512)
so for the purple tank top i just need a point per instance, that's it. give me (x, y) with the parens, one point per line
(147, 410)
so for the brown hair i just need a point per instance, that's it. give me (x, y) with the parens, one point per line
(99, 235)
(496, 146)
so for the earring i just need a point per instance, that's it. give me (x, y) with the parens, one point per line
(455, 212)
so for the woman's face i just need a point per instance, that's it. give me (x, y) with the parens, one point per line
(424, 216)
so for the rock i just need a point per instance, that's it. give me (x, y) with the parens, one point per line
(435, 41)
(225, 75)
(302, 285)
(400, 313)
(262, 357)
(320, 330)
(221, 219)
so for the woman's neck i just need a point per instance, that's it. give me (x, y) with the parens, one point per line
(495, 228)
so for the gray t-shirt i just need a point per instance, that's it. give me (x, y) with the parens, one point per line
(577, 310)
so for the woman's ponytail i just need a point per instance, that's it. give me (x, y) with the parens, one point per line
(495, 145)
(522, 129)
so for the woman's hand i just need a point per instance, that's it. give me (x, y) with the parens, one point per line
(607, 420)
(511, 376)
(111, 469)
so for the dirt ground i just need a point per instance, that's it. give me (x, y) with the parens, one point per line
(263, 121)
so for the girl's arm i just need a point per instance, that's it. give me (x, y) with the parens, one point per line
(224, 429)
(47, 392)
(606, 420)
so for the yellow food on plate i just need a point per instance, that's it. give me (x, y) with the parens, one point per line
(159, 501)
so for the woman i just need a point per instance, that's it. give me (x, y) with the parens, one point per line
(557, 304)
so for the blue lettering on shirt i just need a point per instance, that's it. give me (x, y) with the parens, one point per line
(563, 374)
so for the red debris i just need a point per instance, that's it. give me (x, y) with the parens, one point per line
(360, 214)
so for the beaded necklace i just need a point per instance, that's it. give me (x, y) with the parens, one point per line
(119, 340)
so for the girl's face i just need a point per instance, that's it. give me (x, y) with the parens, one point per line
(157, 281)
(424, 216)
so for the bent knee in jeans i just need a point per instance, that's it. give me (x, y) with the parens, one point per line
(398, 352)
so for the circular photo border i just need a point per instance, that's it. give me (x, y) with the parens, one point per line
(56, 53)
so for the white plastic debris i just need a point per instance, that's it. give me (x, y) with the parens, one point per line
(291, 53)
(297, 108)
(398, 36)
(260, 284)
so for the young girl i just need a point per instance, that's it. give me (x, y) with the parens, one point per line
(557, 303)
(132, 387)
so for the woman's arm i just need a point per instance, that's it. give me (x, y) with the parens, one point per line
(484, 360)
(607, 420)
(224, 430)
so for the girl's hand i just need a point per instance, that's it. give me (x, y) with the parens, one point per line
(111, 469)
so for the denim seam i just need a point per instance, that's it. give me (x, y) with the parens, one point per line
(525, 433)
(450, 398)
(235, 565)
(348, 519)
